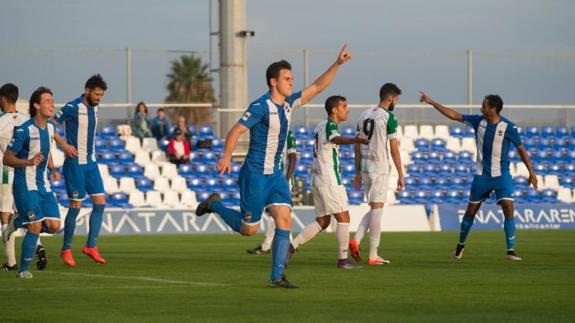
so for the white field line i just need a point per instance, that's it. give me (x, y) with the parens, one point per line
(83, 288)
(148, 279)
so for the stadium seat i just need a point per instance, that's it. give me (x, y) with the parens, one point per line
(115, 144)
(549, 196)
(185, 170)
(209, 157)
(161, 184)
(453, 144)
(188, 199)
(124, 130)
(135, 170)
(179, 184)
(117, 170)
(158, 156)
(137, 199)
(410, 131)
(172, 199)
(434, 157)
(152, 171)
(564, 195)
(426, 132)
(195, 184)
(438, 144)
(169, 170)
(127, 185)
(133, 144)
(532, 132)
(164, 142)
(154, 198)
(108, 131)
(422, 144)
(217, 144)
(465, 157)
(405, 197)
(442, 132)
(144, 184)
(150, 144)
(119, 199)
(456, 131)
(111, 185)
(212, 184)
(406, 144)
(125, 157)
(469, 144)
(100, 144)
(355, 197)
(301, 171)
(562, 132)
(142, 158)
(469, 132)
(107, 158)
(348, 131)
(235, 170)
(300, 131)
(206, 131)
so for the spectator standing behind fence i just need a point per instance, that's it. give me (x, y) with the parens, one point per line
(179, 148)
(160, 125)
(140, 122)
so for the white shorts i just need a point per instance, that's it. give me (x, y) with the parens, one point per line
(375, 186)
(329, 199)
(6, 198)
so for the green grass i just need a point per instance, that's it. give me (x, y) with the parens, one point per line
(214, 280)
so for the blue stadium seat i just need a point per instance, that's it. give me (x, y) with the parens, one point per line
(405, 197)
(348, 169)
(135, 170)
(521, 182)
(465, 156)
(119, 199)
(108, 131)
(554, 169)
(195, 184)
(513, 156)
(422, 144)
(533, 196)
(449, 157)
(438, 144)
(235, 170)
(442, 182)
(57, 186)
(557, 156)
(418, 157)
(461, 169)
(456, 131)
(469, 132)
(549, 196)
(437, 197)
(348, 131)
(203, 171)
(532, 131)
(411, 182)
(301, 171)
(425, 183)
(355, 197)
(164, 144)
(208, 157)
(453, 196)
(117, 170)
(99, 144)
(458, 182)
(206, 131)
(547, 131)
(545, 143)
(434, 156)
(300, 131)
(562, 132)
(306, 156)
(561, 142)
(530, 142)
(125, 157)
(445, 169)
(429, 169)
(115, 144)
(540, 168)
(185, 170)
(107, 158)
(413, 169)
(63, 200)
(567, 181)
(212, 184)
(217, 143)
(229, 184)
(144, 184)
(421, 196)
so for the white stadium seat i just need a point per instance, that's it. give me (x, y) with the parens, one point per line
(111, 185)
(58, 157)
(172, 199)
(410, 131)
(142, 158)
(426, 131)
(406, 144)
(162, 184)
(133, 144)
(137, 198)
(442, 131)
(189, 199)
(127, 185)
(158, 156)
(104, 172)
(564, 195)
(179, 184)
(468, 144)
(152, 171)
(453, 144)
(169, 170)
(521, 170)
(150, 144)
(154, 198)
(552, 182)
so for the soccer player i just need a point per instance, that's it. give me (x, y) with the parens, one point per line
(494, 135)
(27, 153)
(262, 183)
(10, 118)
(372, 166)
(80, 167)
(329, 194)
(288, 166)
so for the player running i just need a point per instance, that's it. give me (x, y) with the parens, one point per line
(262, 183)
(28, 153)
(80, 167)
(494, 135)
(329, 194)
(372, 166)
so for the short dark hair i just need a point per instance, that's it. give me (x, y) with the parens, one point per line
(494, 101)
(9, 92)
(35, 98)
(273, 71)
(160, 109)
(95, 81)
(332, 102)
(138, 106)
(388, 89)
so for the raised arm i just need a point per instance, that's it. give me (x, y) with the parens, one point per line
(525, 158)
(225, 163)
(450, 113)
(322, 82)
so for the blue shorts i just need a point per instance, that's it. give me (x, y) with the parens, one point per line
(482, 186)
(258, 191)
(34, 206)
(82, 179)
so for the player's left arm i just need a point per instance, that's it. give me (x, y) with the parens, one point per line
(527, 161)
(396, 156)
(292, 157)
(54, 171)
(225, 163)
(322, 82)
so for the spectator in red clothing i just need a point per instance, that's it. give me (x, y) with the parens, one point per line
(179, 149)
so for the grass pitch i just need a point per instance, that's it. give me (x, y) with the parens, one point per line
(210, 278)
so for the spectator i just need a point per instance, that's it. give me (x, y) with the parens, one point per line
(140, 122)
(179, 148)
(160, 125)
(182, 125)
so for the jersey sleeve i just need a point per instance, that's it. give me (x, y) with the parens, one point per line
(18, 139)
(291, 143)
(294, 100)
(253, 115)
(64, 114)
(392, 127)
(472, 120)
(331, 131)
(513, 136)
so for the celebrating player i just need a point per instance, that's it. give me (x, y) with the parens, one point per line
(372, 166)
(329, 194)
(28, 153)
(262, 183)
(494, 135)
(80, 167)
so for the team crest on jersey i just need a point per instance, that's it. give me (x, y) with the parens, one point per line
(75, 195)
(288, 108)
(31, 216)
(246, 116)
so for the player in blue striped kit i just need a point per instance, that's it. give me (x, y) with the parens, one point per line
(494, 135)
(262, 183)
(80, 167)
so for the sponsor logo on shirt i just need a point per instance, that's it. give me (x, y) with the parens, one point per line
(34, 138)
(500, 133)
(246, 116)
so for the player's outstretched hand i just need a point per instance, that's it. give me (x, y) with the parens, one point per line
(400, 184)
(224, 166)
(361, 140)
(343, 56)
(36, 160)
(423, 97)
(70, 150)
(533, 181)
(357, 181)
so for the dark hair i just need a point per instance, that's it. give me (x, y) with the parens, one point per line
(160, 109)
(9, 92)
(332, 102)
(35, 98)
(388, 89)
(273, 71)
(96, 81)
(138, 106)
(494, 101)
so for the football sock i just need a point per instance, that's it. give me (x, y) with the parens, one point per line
(10, 251)
(374, 232)
(69, 227)
(28, 250)
(509, 228)
(362, 227)
(466, 224)
(308, 233)
(268, 238)
(280, 247)
(230, 216)
(342, 236)
(95, 224)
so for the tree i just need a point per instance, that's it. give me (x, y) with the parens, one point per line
(190, 82)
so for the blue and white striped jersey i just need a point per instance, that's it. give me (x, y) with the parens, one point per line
(493, 142)
(27, 141)
(81, 122)
(269, 126)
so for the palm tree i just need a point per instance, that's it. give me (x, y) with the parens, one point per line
(189, 81)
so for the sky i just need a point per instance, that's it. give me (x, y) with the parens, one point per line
(522, 49)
